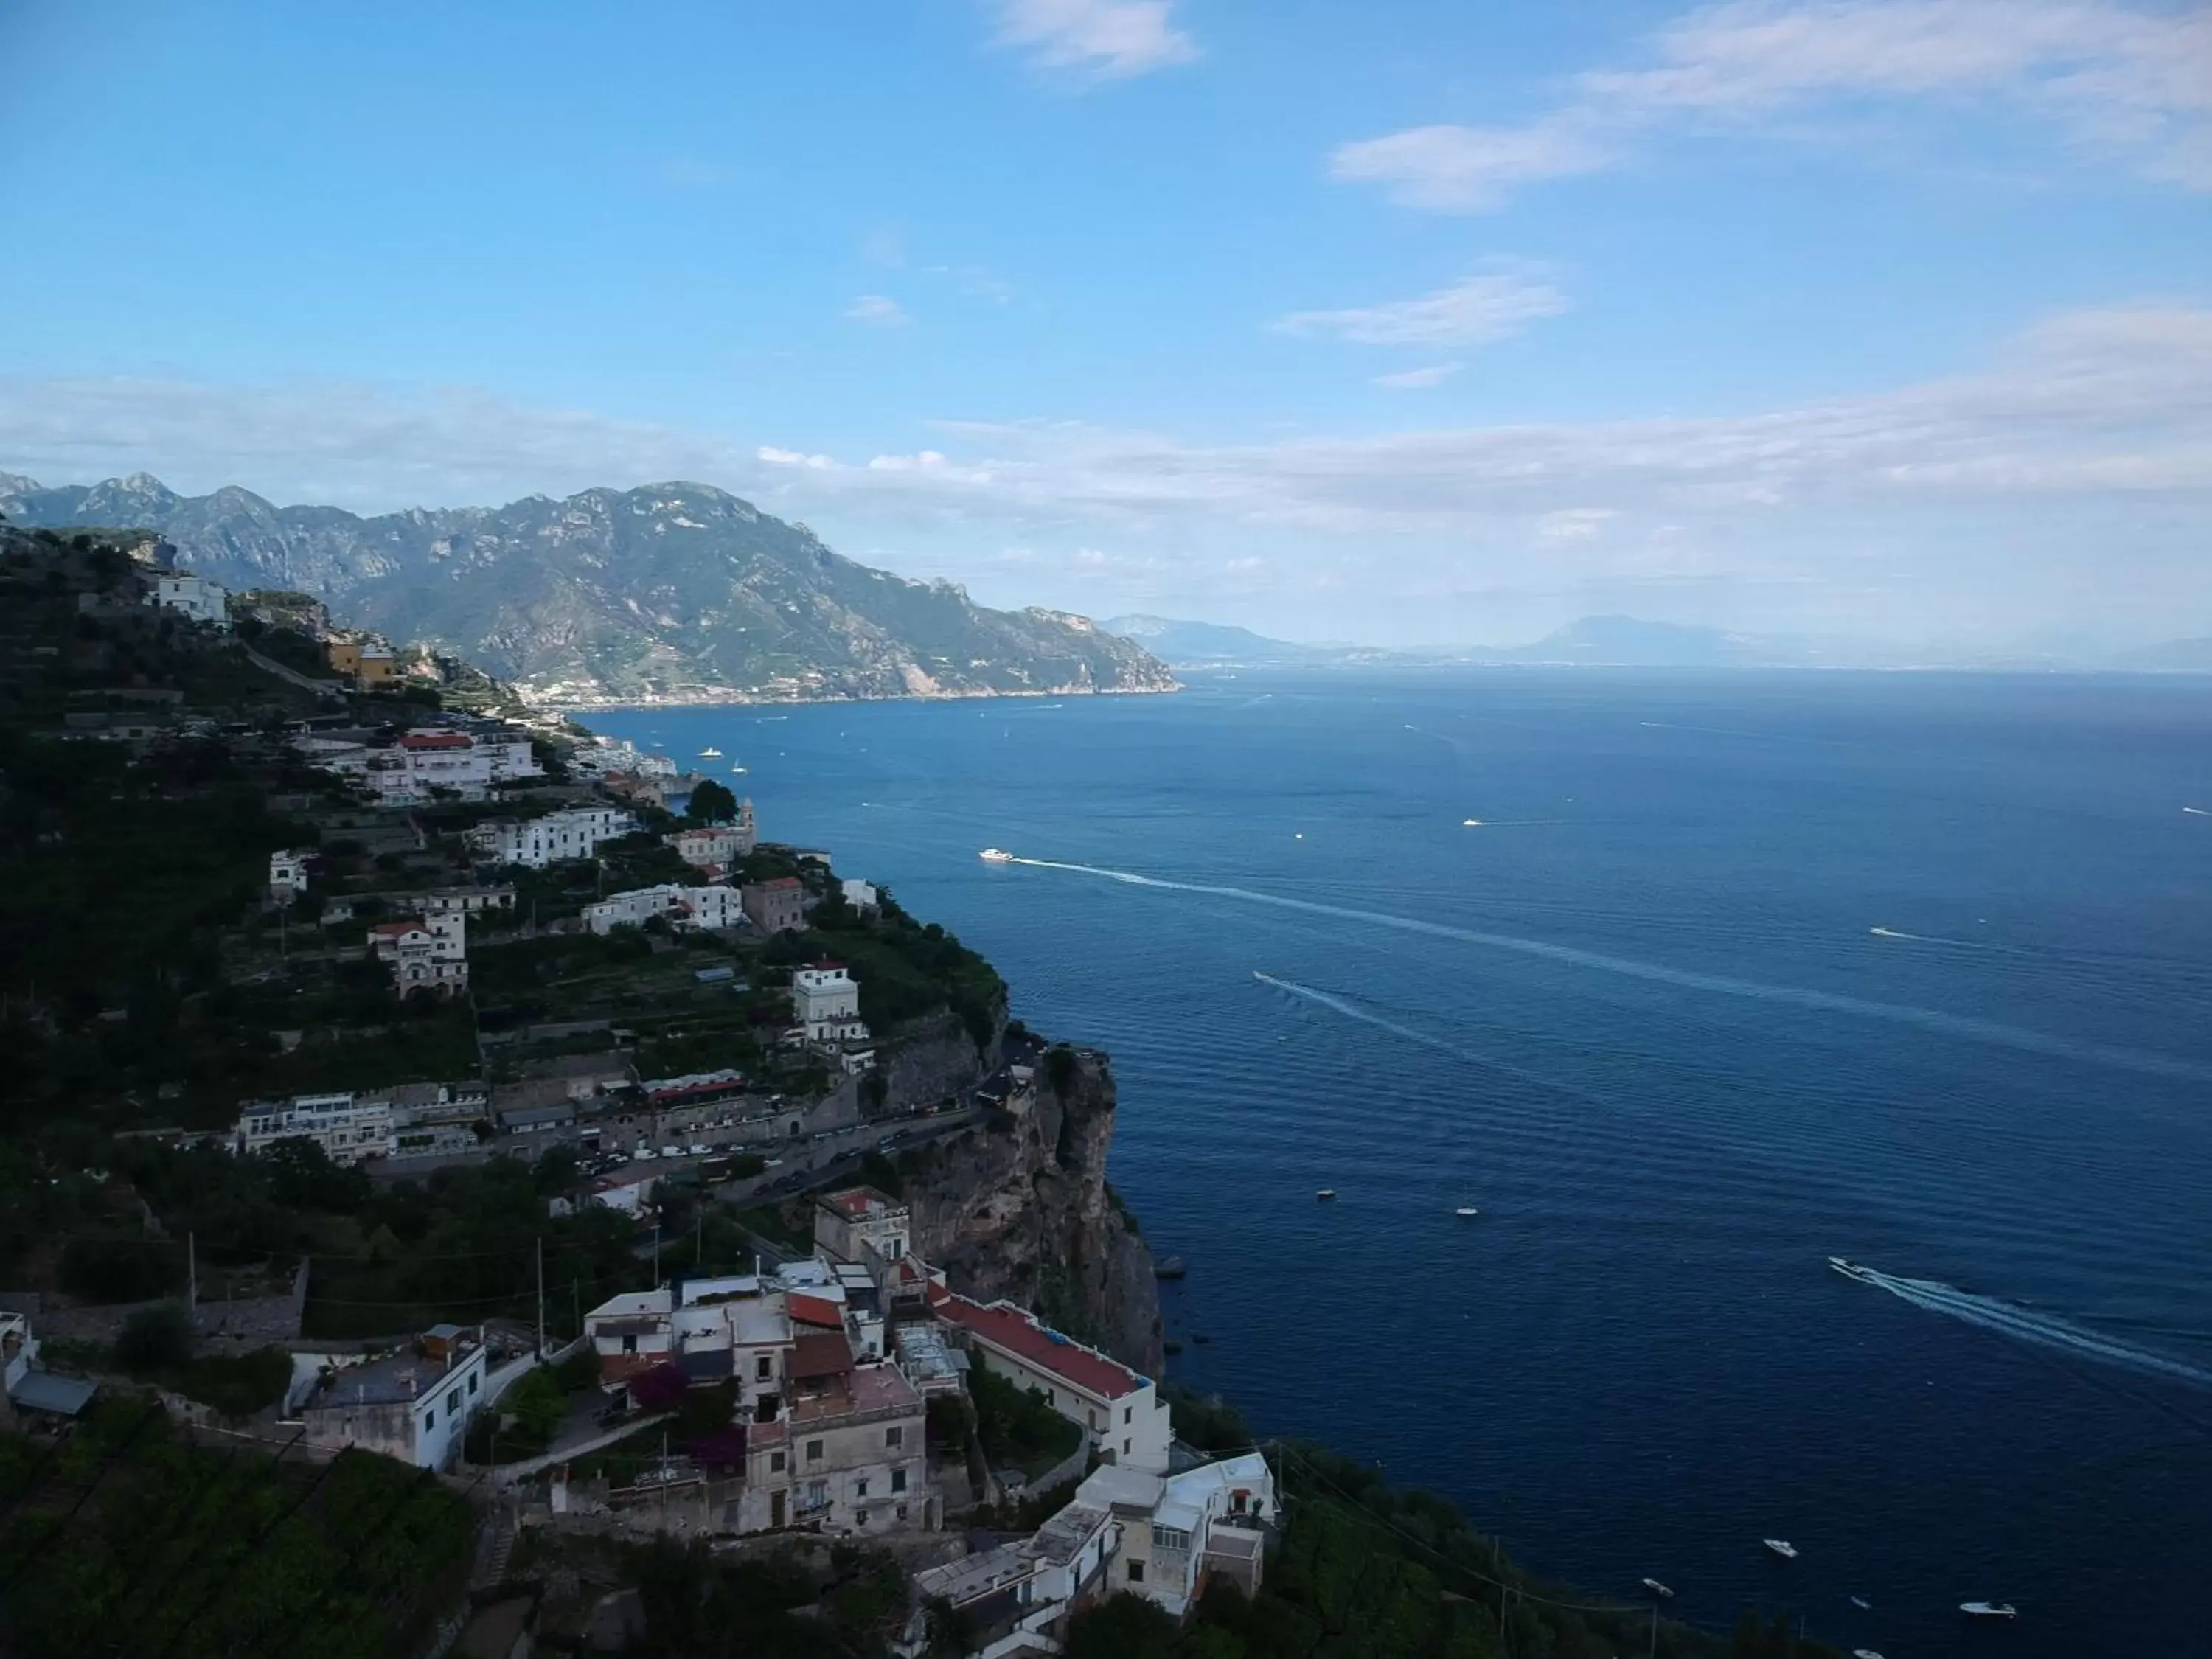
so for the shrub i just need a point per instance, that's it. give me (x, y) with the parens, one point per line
(155, 1339)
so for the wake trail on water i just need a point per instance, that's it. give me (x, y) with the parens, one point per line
(1926, 939)
(2041, 1330)
(1926, 1019)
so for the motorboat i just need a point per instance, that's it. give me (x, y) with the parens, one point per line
(1465, 1211)
(996, 855)
(1989, 1609)
(1326, 1194)
(1781, 1546)
(1658, 1589)
(1861, 1604)
(710, 753)
(1849, 1269)
(1470, 823)
(736, 768)
(1864, 1653)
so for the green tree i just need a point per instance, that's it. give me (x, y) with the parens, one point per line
(1121, 1627)
(155, 1339)
(713, 803)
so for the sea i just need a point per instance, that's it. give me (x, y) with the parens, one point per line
(1686, 983)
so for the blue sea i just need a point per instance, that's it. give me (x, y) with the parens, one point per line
(1734, 973)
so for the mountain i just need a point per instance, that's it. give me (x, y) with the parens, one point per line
(675, 590)
(1629, 642)
(2173, 657)
(1199, 644)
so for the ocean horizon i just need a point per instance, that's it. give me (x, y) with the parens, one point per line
(1687, 982)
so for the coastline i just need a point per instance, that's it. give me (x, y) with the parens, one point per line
(729, 697)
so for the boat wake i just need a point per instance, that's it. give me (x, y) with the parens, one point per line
(1925, 939)
(1926, 1019)
(2007, 1319)
(2198, 812)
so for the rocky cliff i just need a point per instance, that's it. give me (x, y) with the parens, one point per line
(1020, 1208)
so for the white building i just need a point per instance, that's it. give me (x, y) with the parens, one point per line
(428, 954)
(854, 1221)
(1178, 1532)
(575, 832)
(860, 895)
(466, 901)
(349, 1127)
(826, 1003)
(713, 907)
(414, 1405)
(507, 755)
(632, 1332)
(713, 847)
(194, 596)
(287, 873)
(1122, 1412)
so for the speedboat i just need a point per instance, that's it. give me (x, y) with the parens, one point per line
(1861, 1604)
(1847, 1268)
(1989, 1609)
(1326, 1194)
(710, 753)
(736, 768)
(1470, 823)
(996, 855)
(1864, 1653)
(1658, 1589)
(1781, 1546)
(1466, 1210)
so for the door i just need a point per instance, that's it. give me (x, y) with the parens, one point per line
(775, 1509)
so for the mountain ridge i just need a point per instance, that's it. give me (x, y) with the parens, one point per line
(670, 591)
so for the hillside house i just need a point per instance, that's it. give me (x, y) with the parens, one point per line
(575, 832)
(347, 1127)
(287, 873)
(1122, 1413)
(413, 1405)
(685, 907)
(855, 1223)
(193, 597)
(777, 906)
(826, 1002)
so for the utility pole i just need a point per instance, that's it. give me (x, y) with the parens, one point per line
(541, 1296)
(656, 1253)
(1655, 1631)
(191, 1270)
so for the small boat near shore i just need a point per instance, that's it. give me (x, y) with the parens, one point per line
(1325, 1195)
(1170, 1268)
(995, 855)
(1465, 1211)
(1864, 1653)
(1989, 1609)
(1781, 1546)
(710, 753)
(1658, 1589)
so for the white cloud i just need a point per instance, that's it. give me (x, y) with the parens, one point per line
(879, 310)
(1454, 169)
(1418, 379)
(1574, 524)
(772, 456)
(1476, 312)
(2119, 81)
(1110, 39)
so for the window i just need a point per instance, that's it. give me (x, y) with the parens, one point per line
(430, 1418)
(1170, 1538)
(860, 1487)
(898, 1479)
(764, 1369)
(895, 1435)
(775, 1462)
(630, 1345)
(814, 1451)
(1128, 1414)
(902, 1516)
(1136, 1572)
(474, 1378)
(860, 1517)
(1125, 1448)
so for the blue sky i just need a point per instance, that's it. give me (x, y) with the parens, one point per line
(1407, 321)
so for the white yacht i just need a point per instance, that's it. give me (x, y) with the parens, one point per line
(1658, 1589)
(1781, 1546)
(1989, 1609)
(996, 855)
(710, 753)
(1466, 1210)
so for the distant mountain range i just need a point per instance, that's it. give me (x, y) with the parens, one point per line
(1629, 643)
(673, 591)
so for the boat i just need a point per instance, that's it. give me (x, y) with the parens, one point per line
(1172, 1268)
(996, 855)
(1864, 1653)
(1326, 1194)
(1470, 823)
(1849, 1269)
(1658, 1589)
(1861, 1604)
(1465, 1210)
(1989, 1609)
(710, 753)
(1781, 1546)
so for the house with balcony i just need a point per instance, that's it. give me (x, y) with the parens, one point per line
(575, 832)
(347, 1127)
(855, 1223)
(826, 1002)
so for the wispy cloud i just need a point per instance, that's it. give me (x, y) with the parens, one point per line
(1471, 312)
(1108, 39)
(2121, 82)
(2103, 411)
(879, 310)
(1418, 379)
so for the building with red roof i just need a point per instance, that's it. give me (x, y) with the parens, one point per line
(1121, 1410)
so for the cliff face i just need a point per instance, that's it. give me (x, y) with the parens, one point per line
(1022, 1212)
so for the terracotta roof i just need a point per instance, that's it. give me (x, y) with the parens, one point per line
(781, 883)
(394, 929)
(437, 740)
(823, 1354)
(816, 1310)
(1005, 1325)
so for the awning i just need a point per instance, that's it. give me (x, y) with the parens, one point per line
(44, 1391)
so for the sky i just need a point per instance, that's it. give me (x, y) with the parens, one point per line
(1403, 321)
